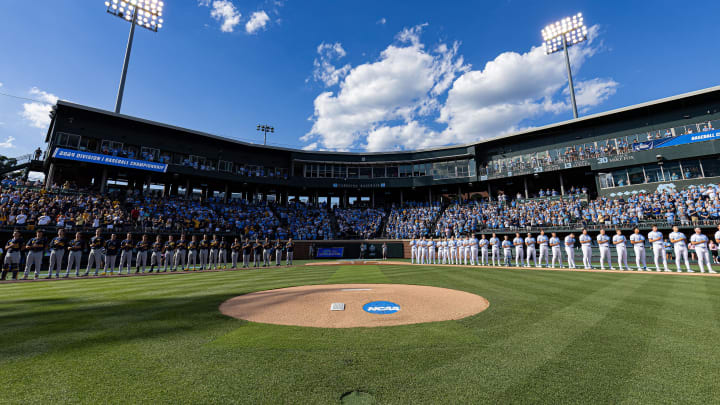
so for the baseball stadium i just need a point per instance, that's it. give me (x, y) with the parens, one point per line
(569, 262)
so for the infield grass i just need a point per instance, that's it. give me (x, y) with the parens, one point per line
(548, 337)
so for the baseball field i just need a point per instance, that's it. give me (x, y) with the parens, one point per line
(546, 337)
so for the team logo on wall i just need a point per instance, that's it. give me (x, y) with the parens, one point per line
(381, 307)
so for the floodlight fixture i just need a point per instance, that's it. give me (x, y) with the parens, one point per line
(561, 35)
(147, 14)
(265, 129)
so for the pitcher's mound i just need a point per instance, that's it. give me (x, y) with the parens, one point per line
(365, 305)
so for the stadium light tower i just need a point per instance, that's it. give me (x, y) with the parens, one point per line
(145, 13)
(561, 35)
(265, 129)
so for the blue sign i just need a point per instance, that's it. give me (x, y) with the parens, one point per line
(678, 140)
(89, 157)
(381, 307)
(334, 252)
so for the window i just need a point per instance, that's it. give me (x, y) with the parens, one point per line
(69, 140)
(406, 171)
(392, 171)
(606, 180)
(672, 171)
(321, 171)
(110, 147)
(653, 173)
(620, 177)
(378, 172)
(225, 166)
(711, 167)
(440, 170)
(691, 169)
(88, 144)
(150, 154)
(419, 170)
(353, 172)
(462, 168)
(636, 175)
(472, 167)
(365, 172)
(340, 172)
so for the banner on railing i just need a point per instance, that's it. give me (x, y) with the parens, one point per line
(334, 252)
(89, 157)
(678, 140)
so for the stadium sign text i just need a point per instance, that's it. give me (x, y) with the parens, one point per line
(381, 307)
(89, 157)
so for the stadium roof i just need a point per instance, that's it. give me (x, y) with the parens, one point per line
(529, 132)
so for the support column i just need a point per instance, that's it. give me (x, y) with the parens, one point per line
(227, 191)
(489, 191)
(525, 185)
(50, 177)
(174, 189)
(148, 181)
(459, 193)
(103, 180)
(188, 190)
(562, 185)
(401, 198)
(372, 198)
(429, 195)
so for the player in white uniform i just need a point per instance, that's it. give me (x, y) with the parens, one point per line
(638, 242)
(443, 251)
(463, 251)
(570, 250)
(603, 242)
(543, 240)
(483, 243)
(700, 242)
(679, 241)
(507, 250)
(473, 250)
(620, 242)
(431, 251)
(530, 248)
(717, 240)
(519, 244)
(586, 246)
(413, 250)
(495, 249)
(422, 246)
(658, 247)
(555, 243)
(453, 250)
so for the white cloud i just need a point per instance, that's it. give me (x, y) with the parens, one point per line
(38, 113)
(395, 89)
(381, 21)
(413, 98)
(258, 21)
(7, 143)
(323, 68)
(225, 12)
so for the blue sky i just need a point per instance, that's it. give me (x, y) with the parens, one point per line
(344, 75)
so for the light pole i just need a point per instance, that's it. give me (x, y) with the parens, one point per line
(561, 35)
(145, 13)
(265, 129)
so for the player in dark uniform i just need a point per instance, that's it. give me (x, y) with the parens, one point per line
(192, 253)
(112, 247)
(181, 253)
(246, 251)
(126, 247)
(222, 254)
(257, 253)
(96, 244)
(236, 248)
(75, 248)
(57, 251)
(156, 256)
(290, 250)
(142, 247)
(278, 252)
(204, 249)
(267, 252)
(169, 257)
(11, 262)
(36, 250)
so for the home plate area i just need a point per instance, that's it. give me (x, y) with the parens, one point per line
(354, 305)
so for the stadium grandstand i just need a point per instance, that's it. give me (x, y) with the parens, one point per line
(653, 164)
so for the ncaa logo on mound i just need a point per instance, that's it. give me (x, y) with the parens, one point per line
(381, 307)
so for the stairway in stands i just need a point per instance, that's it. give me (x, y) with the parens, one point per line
(437, 218)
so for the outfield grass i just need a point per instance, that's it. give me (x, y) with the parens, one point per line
(552, 337)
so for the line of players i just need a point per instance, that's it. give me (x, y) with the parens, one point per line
(468, 250)
(172, 255)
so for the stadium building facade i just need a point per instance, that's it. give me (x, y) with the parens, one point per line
(670, 142)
